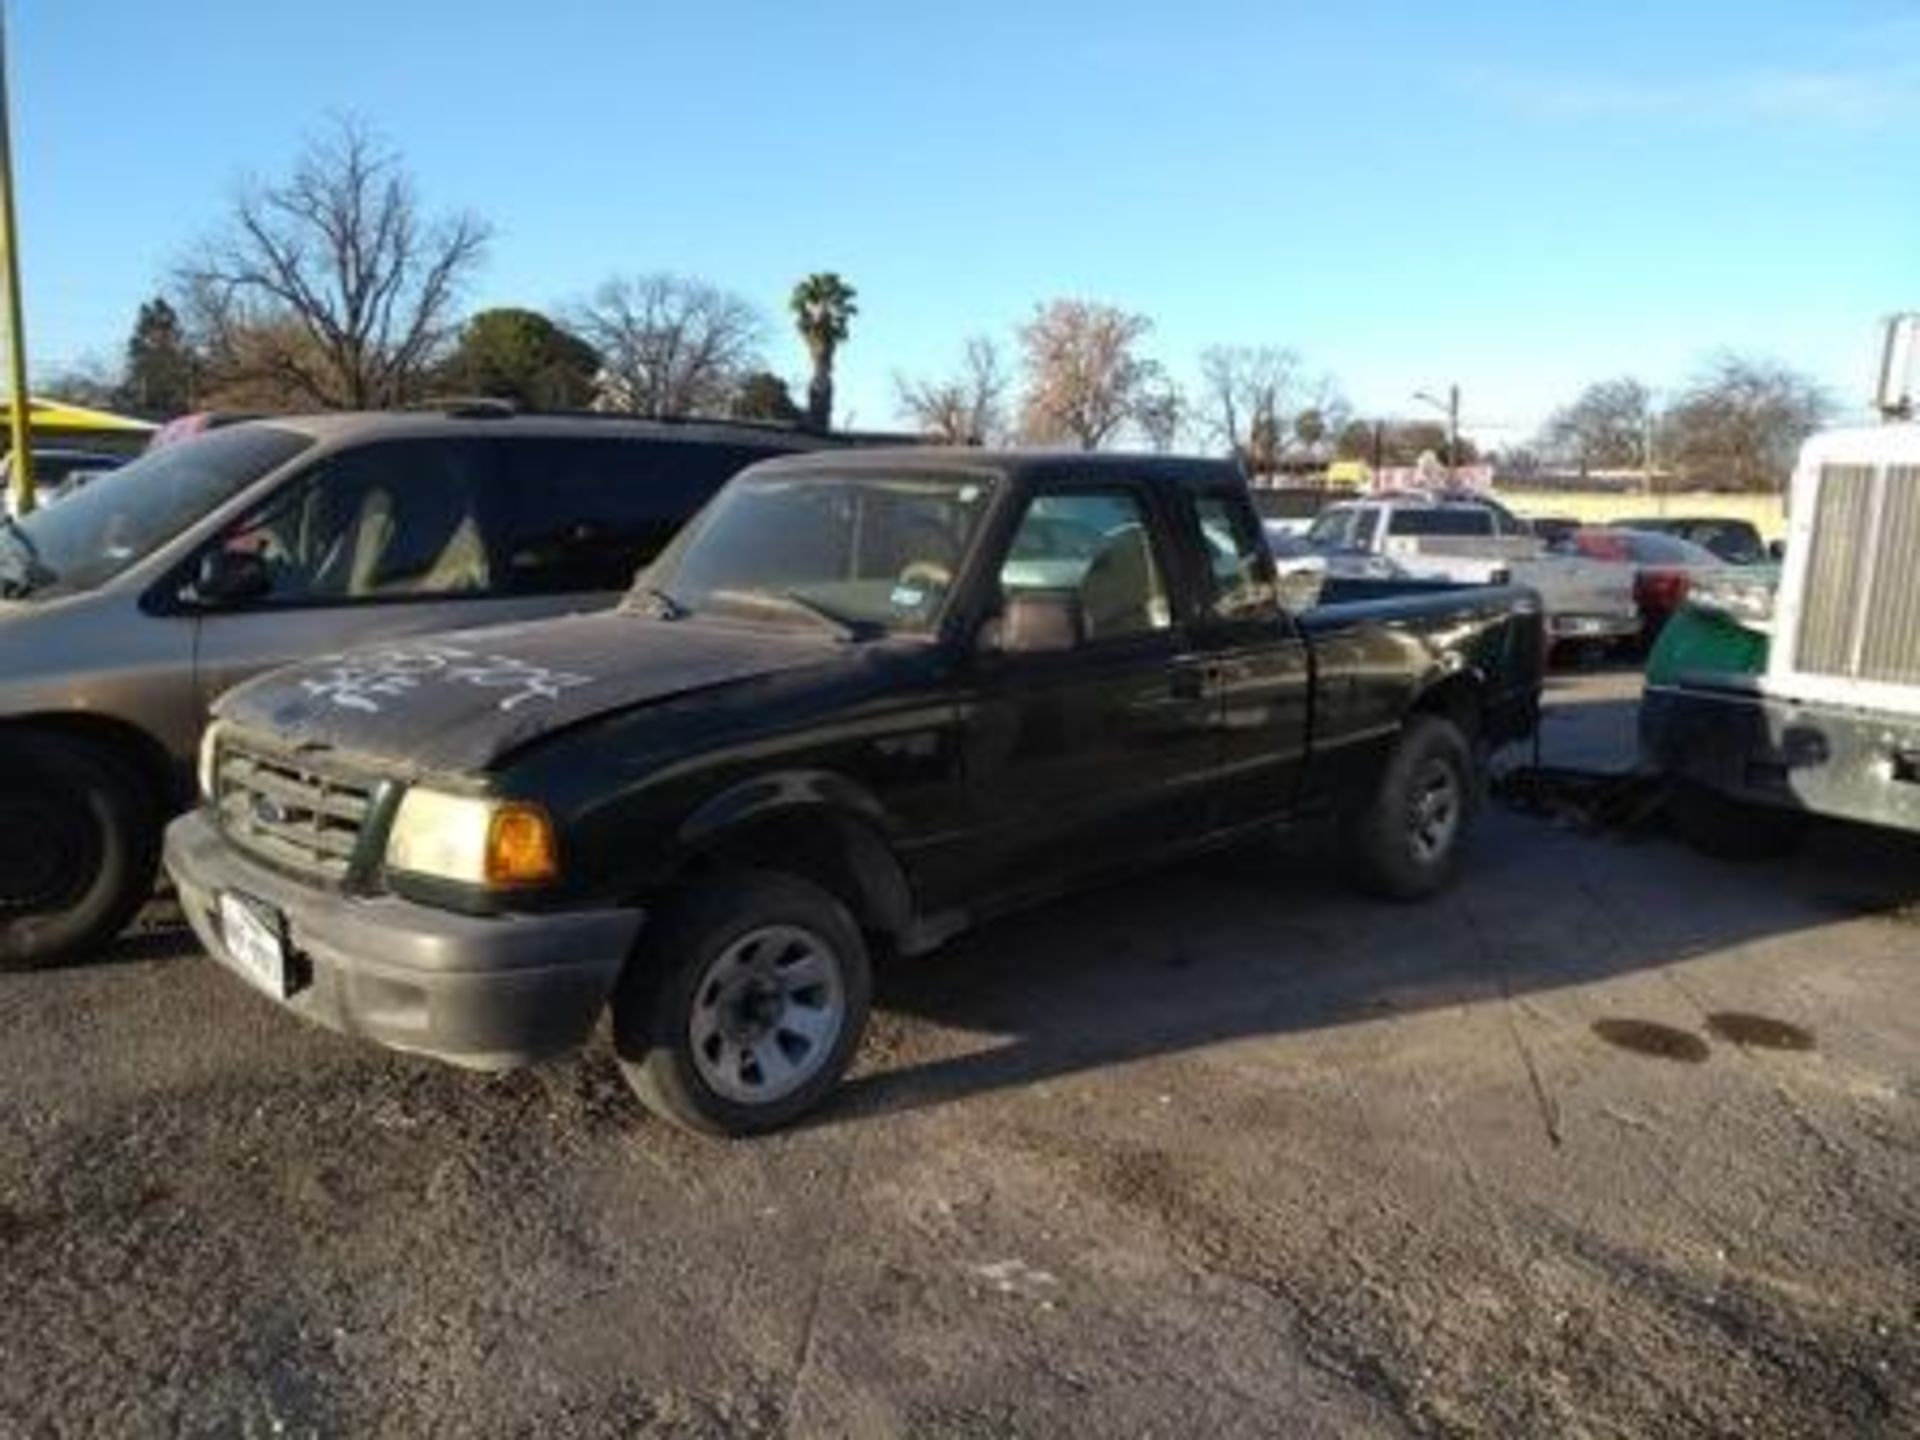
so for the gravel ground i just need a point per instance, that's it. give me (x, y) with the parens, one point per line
(1611, 1140)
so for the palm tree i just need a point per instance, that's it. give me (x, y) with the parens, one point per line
(823, 304)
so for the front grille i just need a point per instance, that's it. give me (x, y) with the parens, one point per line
(1860, 615)
(302, 816)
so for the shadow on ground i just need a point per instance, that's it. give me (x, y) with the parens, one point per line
(1267, 941)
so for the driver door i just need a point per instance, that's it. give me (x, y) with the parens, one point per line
(1086, 759)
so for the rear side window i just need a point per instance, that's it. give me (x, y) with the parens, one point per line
(586, 514)
(1237, 561)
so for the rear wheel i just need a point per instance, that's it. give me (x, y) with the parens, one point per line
(744, 1004)
(79, 848)
(1730, 829)
(1405, 843)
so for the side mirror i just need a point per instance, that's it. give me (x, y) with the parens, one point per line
(1777, 550)
(229, 577)
(1036, 622)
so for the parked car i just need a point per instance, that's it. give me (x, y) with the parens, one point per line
(1735, 542)
(57, 472)
(835, 715)
(1554, 530)
(1471, 541)
(127, 607)
(1290, 509)
(1664, 568)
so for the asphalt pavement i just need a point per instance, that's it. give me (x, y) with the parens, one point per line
(1612, 1139)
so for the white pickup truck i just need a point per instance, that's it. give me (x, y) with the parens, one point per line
(1474, 542)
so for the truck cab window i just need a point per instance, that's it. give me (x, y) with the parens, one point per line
(1095, 543)
(1237, 561)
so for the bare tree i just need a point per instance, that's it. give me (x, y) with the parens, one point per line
(1086, 379)
(1248, 394)
(1259, 401)
(967, 408)
(1605, 427)
(330, 286)
(1740, 423)
(671, 345)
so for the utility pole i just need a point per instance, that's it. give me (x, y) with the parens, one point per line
(1453, 436)
(23, 491)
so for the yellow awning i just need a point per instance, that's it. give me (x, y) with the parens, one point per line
(58, 415)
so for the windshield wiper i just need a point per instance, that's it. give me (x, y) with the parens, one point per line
(659, 605)
(850, 626)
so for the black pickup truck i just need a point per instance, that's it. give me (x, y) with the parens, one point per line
(862, 702)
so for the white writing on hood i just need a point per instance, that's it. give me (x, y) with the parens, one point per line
(365, 681)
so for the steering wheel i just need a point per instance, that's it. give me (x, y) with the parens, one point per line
(925, 574)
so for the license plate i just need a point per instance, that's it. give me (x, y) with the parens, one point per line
(253, 936)
(1581, 625)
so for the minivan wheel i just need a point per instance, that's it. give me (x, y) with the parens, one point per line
(79, 848)
(1405, 844)
(744, 1004)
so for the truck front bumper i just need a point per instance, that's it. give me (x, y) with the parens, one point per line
(1727, 733)
(486, 992)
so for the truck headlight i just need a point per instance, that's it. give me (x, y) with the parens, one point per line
(209, 754)
(472, 839)
(1744, 599)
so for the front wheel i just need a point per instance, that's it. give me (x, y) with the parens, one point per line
(79, 848)
(1405, 843)
(744, 1004)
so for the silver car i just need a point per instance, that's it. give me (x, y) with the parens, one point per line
(136, 600)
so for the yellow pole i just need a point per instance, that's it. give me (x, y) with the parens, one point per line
(23, 492)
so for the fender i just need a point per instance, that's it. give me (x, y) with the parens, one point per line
(763, 796)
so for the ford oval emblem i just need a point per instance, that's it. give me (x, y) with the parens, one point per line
(268, 811)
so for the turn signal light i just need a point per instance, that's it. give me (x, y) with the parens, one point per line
(520, 846)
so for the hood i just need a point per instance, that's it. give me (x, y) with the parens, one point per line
(460, 702)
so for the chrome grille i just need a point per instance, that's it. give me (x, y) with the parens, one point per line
(1890, 637)
(301, 816)
(1829, 613)
(1860, 610)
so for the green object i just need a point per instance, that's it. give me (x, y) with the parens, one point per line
(1696, 639)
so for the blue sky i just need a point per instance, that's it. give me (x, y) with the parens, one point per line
(1517, 197)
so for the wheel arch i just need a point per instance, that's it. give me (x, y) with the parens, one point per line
(144, 757)
(820, 827)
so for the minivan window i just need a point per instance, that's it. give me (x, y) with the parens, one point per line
(585, 515)
(381, 522)
(101, 529)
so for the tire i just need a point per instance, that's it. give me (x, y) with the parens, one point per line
(715, 1002)
(79, 848)
(1737, 830)
(1405, 843)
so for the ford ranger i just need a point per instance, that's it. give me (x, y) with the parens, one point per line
(862, 702)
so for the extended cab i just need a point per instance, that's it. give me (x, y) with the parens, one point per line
(862, 702)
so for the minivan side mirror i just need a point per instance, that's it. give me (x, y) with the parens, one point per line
(1036, 622)
(229, 577)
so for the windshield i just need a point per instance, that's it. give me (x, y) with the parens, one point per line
(861, 551)
(94, 533)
